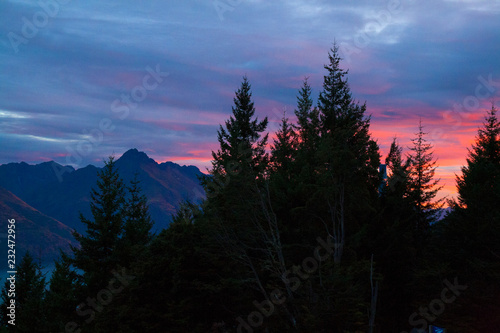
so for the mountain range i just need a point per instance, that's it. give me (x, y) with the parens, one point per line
(46, 199)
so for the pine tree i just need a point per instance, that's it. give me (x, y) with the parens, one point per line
(391, 239)
(422, 187)
(184, 281)
(471, 231)
(307, 120)
(397, 181)
(304, 106)
(347, 158)
(283, 149)
(239, 167)
(475, 220)
(239, 200)
(338, 193)
(29, 294)
(137, 224)
(396, 192)
(97, 255)
(308, 136)
(335, 101)
(480, 180)
(62, 297)
(242, 146)
(283, 171)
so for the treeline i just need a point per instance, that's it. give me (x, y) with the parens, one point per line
(314, 236)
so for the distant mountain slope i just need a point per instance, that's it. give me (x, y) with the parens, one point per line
(165, 185)
(42, 235)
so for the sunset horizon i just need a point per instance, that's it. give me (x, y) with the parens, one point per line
(75, 92)
(304, 166)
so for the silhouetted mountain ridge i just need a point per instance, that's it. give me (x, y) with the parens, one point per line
(136, 157)
(62, 195)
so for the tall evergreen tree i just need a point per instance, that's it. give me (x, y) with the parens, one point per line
(391, 239)
(478, 185)
(137, 224)
(475, 220)
(397, 181)
(283, 175)
(307, 119)
(97, 255)
(62, 296)
(423, 187)
(242, 146)
(126, 252)
(239, 200)
(283, 149)
(239, 167)
(283, 171)
(348, 159)
(29, 294)
(308, 137)
(304, 107)
(337, 162)
(471, 231)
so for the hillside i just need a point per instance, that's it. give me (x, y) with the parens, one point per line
(64, 197)
(42, 235)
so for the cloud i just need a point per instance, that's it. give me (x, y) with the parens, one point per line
(412, 60)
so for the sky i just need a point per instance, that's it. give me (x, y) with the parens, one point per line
(84, 79)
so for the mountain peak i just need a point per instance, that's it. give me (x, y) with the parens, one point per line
(165, 185)
(133, 155)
